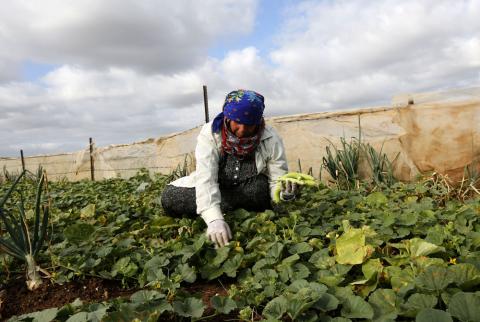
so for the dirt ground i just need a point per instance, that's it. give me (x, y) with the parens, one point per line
(18, 300)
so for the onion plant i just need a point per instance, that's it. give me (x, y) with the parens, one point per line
(23, 243)
(380, 165)
(181, 170)
(343, 164)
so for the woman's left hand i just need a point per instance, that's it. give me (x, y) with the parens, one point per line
(289, 190)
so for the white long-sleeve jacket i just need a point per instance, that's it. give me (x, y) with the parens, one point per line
(270, 159)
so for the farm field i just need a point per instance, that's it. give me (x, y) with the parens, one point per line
(407, 252)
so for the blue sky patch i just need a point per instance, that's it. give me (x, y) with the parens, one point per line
(268, 21)
(32, 71)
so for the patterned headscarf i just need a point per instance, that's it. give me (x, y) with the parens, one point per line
(241, 106)
(244, 107)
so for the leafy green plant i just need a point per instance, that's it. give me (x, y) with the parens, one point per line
(380, 165)
(393, 253)
(9, 176)
(181, 170)
(23, 243)
(471, 180)
(342, 164)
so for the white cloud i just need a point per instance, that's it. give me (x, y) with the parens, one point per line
(151, 36)
(345, 48)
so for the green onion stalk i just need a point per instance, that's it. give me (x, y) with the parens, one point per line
(24, 244)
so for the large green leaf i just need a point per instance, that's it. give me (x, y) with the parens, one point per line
(95, 316)
(210, 272)
(340, 319)
(402, 280)
(376, 199)
(124, 266)
(436, 234)
(162, 221)
(155, 307)
(297, 305)
(286, 269)
(263, 263)
(78, 232)
(275, 249)
(416, 302)
(354, 307)
(384, 304)
(465, 275)
(351, 247)
(222, 255)
(103, 251)
(322, 259)
(419, 247)
(87, 211)
(316, 288)
(465, 306)
(223, 304)
(297, 285)
(187, 273)
(386, 218)
(329, 278)
(189, 307)
(372, 268)
(266, 276)
(290, 260)
(46, 315)
(434, 278)
(276, 308)
(326, 302)
(79, 317)
(432, 315)
(231, 265)
(300, 248)
(146, 296)
(153, 272)
(408, 218)
(299, 271)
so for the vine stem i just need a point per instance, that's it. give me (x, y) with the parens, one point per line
(206, 317)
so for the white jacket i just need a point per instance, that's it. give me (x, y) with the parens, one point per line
(270, 159)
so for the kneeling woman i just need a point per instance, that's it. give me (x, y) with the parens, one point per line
(238, 159)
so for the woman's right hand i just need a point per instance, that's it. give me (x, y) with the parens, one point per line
(219, 232)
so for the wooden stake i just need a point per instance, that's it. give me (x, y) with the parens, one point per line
(92, 165)
(205, 103)
(23, 160)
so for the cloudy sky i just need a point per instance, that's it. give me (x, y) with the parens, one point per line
(125, 70)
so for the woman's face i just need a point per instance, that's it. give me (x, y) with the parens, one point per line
(242, 130)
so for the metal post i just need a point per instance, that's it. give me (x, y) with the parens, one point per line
(23, 160)
(92, 166)
(205, 103)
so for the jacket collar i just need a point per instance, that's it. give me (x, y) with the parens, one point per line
(267, 133)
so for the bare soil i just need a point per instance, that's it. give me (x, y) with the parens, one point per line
(16, 299)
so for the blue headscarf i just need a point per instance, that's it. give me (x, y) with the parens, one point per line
(242, 106)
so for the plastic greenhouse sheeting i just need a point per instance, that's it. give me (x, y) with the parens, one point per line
(422, 132)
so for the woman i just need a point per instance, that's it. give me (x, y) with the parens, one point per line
(238, 159)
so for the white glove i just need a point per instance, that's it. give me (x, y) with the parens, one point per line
(219, 232)
(289, 190)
